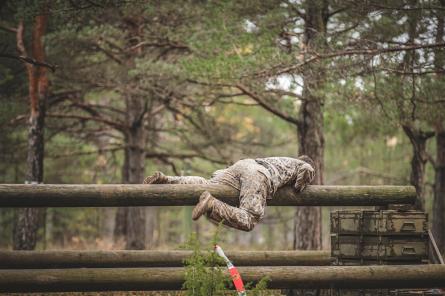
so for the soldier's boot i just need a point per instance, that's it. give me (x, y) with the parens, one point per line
(156, 178)
(205, 203)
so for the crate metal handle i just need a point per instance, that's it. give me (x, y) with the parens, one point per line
(408, 251)
(408, 227)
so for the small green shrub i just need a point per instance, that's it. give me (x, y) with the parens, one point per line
(206, 274)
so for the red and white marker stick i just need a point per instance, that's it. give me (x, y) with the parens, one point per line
(236, 277)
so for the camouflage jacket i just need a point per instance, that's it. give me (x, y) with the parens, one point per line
(279, 171)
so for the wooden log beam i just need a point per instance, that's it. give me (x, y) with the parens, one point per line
(171, 278)
(45, 195)
(70, 259)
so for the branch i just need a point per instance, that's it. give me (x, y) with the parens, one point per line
(266, 106)
(8, 28)
(141, 116)
(431, 159)
(418, 73)
(119, 126)
(404, 8)
(90, 108)
(258, 99)
(169, 44)
(83, 153)
(334, 12)
(29, 60)
(367, 51)
(171, 164)
(108, 54)
(286, 93)
(150, 154)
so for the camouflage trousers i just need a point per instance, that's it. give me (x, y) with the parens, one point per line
(254, 191)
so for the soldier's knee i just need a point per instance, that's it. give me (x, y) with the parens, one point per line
(250, 223)
(255, 211)
(248, 227)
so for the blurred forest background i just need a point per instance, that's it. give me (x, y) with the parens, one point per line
(110, 91)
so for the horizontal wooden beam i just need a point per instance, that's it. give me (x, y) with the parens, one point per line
(172, 278)
(45, 195)
(70, 259)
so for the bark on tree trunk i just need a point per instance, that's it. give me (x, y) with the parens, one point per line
(439, 165)
(26, 223)
(419, 159)
(417, 137)
(131, 221)
(26, 220)
(133, 173)
(151, 233)
(108, 220)
(439, 192)
(307, 221)
(120, 224)
(310, 129)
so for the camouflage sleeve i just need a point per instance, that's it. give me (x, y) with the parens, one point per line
(304, 177)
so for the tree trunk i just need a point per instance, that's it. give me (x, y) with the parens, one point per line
(26, 220)
(439, 192)
(310, 129)
(135, 165)
(418, 141)
(439, 165)
(308, 219)
(108, 220)
(120, 224)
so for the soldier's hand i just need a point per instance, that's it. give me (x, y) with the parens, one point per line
(299, 188)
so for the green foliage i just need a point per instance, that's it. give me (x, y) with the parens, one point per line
(229, 49)
(260, 289)
(204, 274)
(198, 129)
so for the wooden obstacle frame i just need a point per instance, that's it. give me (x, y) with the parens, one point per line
(68, 271)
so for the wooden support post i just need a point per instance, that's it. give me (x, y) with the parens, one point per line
(70, 259)
(171, 278)
(44, 195)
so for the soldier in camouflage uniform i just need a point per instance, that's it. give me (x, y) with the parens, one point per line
(256, 179)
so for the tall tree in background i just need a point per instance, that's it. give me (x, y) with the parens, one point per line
(439, 128)
(26, 223)
(405, 75)
(122, 67)
(417, 136)
(407, 87)
(135, 95)
(310, 127)
(130, 221)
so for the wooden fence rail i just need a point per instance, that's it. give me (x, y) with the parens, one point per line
(70, 259)
(45, 195)
(172, 278)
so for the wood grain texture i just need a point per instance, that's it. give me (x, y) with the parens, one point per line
(171, 278)
(80, 195)
(70, 259)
